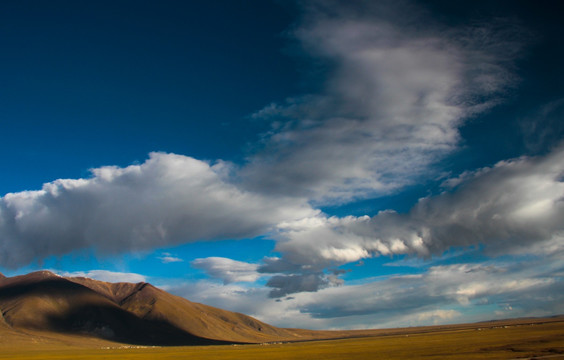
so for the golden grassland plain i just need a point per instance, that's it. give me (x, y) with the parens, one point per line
(524, 339)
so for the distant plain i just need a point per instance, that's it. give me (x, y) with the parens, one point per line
(510, 339)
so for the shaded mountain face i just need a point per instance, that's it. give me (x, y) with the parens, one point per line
(124, 312)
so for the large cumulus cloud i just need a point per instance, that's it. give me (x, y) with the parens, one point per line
(169, 199)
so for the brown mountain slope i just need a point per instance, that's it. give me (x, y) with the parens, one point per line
(148, 302)
(125, 312)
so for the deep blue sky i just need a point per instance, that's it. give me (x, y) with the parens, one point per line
(271, 157)
(96, 83)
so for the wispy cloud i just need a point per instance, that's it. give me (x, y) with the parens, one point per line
(398, 88)
(544, 128)
(167, 258)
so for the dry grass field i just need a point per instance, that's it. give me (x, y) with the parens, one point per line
(516, 339)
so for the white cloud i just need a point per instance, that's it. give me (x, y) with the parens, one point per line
(170, 259)
(167, 258)
(169, 199)
(399, 88)
(228, 270)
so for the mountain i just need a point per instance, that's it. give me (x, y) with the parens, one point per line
(43, 302)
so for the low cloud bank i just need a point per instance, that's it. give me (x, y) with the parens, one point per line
(440, 294)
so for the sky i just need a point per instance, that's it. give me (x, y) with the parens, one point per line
(316, 164)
